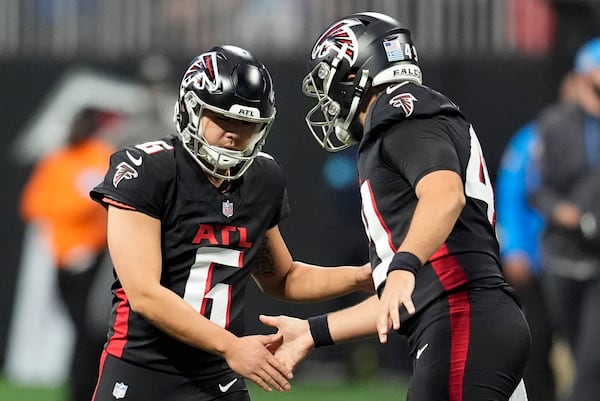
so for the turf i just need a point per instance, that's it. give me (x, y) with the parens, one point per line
(301, 391)
(332, 391)
(13, 392)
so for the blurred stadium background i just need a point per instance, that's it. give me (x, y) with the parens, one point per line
(501, 60)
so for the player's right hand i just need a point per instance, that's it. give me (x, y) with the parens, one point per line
(250, 357)
(297, 340)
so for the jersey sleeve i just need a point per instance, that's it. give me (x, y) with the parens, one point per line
(418, 147)
(138, 180)
(284, 209)
(273, 181)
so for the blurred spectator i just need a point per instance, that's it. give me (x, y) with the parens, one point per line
(519, 230)
(567, 194)
(56, 199)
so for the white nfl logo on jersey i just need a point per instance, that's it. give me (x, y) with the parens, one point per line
(119, 390)
(227, 208)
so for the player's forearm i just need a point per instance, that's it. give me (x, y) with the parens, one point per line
(432, 222)
(306, 282)
(354, 322)
(172, 315)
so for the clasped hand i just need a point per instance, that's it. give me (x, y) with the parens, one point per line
(297, 341)
(252, 357)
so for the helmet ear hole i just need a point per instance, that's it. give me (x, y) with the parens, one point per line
(350, 75)
(180, 116)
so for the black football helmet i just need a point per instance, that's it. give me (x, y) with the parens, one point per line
(352, 55)
(229, 81)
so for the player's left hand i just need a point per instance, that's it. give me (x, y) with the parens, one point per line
(398, 291)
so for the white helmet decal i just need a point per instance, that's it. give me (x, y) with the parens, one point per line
(338, 37)
(203, 73)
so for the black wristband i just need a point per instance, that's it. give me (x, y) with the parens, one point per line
(405, 261)
(319, 330)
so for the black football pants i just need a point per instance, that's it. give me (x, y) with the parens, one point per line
(469, 346)
(130, 382)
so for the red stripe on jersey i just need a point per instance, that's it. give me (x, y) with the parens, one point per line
(460, 331)
(100, 369)
(207, 289)
(448, 269)
(117, 204)
(227, 317)
(440, 253)
(116, 343)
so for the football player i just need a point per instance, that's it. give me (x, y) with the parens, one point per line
(428, 210)
(191, 218)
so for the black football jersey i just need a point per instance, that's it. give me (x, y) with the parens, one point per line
(411, 131)
(209, 236)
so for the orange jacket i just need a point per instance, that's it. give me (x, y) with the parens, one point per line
(57, 196)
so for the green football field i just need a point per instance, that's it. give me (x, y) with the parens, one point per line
(332, 391)
(301, 391)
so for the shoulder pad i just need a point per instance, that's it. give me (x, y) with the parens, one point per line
(407, 101)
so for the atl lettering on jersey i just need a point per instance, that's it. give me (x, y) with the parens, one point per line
(222, 235)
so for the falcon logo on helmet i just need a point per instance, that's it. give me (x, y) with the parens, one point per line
(338, 37)
(404, 101)
(203, 73)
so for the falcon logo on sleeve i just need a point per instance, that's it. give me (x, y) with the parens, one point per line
(405, 101)
(124, 172)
